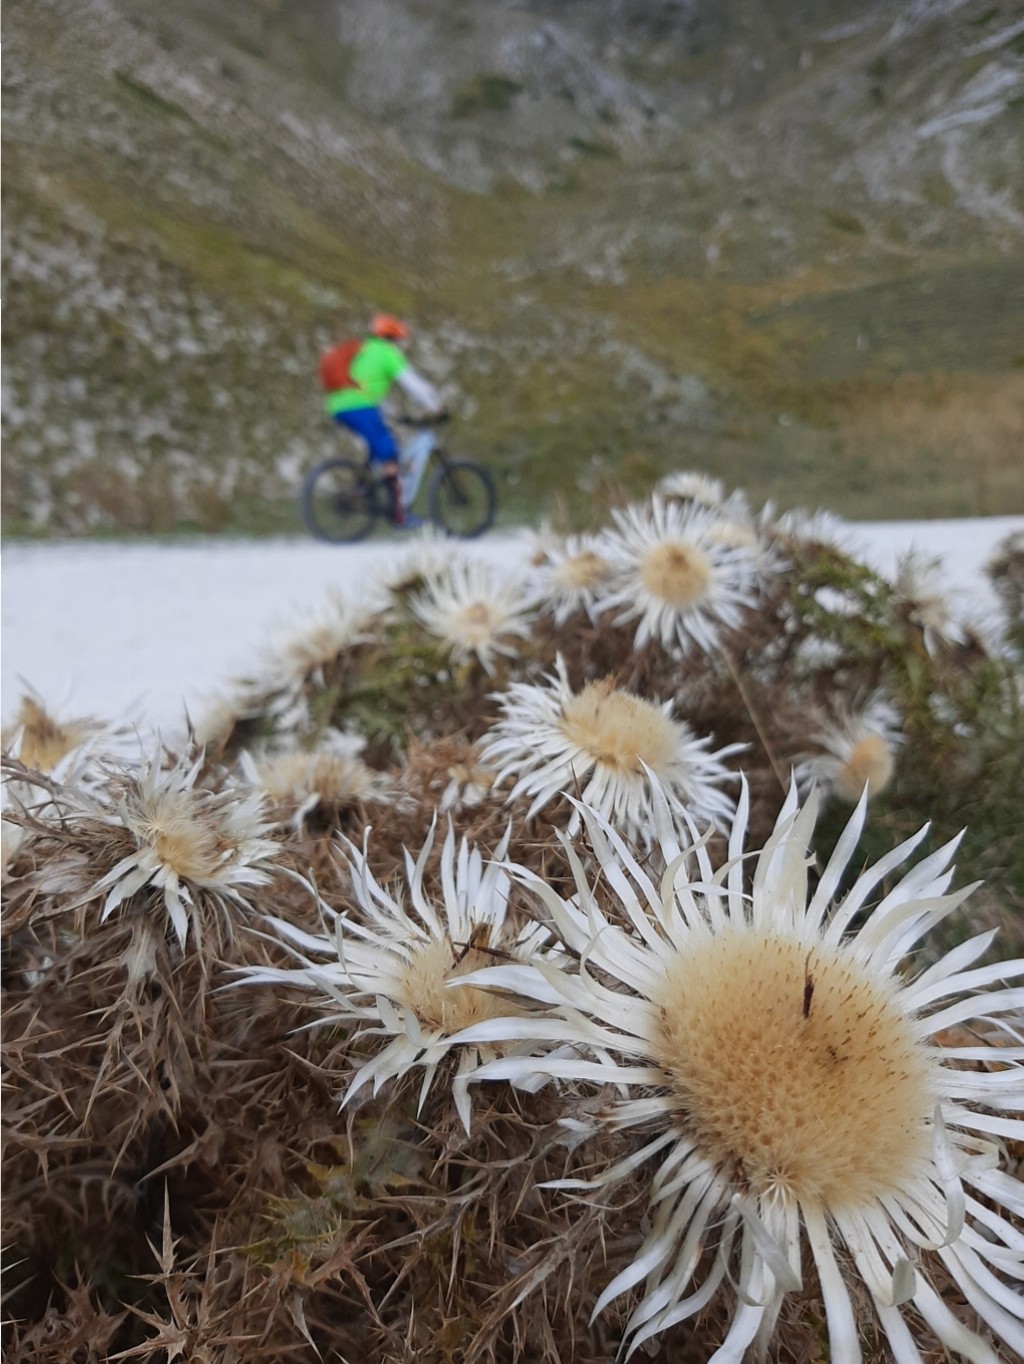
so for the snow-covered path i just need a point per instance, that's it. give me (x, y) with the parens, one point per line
(146, 629)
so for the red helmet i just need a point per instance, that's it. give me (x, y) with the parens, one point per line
(389, 328)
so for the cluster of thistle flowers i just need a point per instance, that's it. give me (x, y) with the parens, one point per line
(81, 794)
(483, 619)
(677, 577)
(666, 588)
(787, 1084)
(787, 1081)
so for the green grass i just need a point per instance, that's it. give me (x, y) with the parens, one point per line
(484, 94)
(875, 380)
(151, 100)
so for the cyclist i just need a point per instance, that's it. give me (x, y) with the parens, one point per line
(372, 367)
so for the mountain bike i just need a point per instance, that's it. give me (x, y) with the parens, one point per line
(343, 500)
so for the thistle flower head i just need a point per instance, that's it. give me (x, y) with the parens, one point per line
(673, 576)
(425, 554)
(40, 740)
(917, 588)
(790, 1081)
(732, 533)
(468, 785)
(815, 528)
(476, 610)
(188, 844)
(858, 751)
(841, 1116)
(447, 773)
(331, 776)
(37, 741)
(610, 743)
(398, 970)
(689, 485)
(573, 576)
(221, 718)
(540, 541)
(328, 633)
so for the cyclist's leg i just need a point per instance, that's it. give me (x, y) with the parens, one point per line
(382, 449)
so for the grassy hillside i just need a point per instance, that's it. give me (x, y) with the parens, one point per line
(787, 249)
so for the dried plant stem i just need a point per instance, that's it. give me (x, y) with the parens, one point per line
(734, 673)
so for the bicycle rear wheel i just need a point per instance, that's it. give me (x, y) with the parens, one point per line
(339, 501)
(462, 498)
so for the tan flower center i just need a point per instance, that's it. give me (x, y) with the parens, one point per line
(584, 570)
(184, 833)
(676, 573)
(426, 976)
(192, 851)
(475, 624)
(317, 648)
(472, 772)
(329, 775)
(619, 730)
(794, 1070)
(870, 763)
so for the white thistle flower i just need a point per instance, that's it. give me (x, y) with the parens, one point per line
(332, 774)
(223, 714)
(610, 744)
(329, 631)
(40, 740)
(572, 577)
(674, 576)
(476, 610)
(398, 971)
(917, 585)
(539, 541)
(446, 774)
(791, 1082)
(732, 510)
(732, 534)
(741, 532)
(189, 844)
(69, 748)
(860, 748)
(424, 554)
(817, 527)
(688, 485)
(469, 785)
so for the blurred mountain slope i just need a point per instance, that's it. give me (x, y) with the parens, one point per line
(781, 242)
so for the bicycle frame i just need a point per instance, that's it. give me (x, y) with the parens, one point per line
(340, 498)
(413, 458)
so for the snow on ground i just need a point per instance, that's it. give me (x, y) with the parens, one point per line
(146, 630)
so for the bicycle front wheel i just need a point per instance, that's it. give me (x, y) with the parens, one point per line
(339, 501)
(462, 499)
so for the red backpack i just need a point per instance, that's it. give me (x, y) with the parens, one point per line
(336, 364)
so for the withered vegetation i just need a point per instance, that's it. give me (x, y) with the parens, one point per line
(180, 1179)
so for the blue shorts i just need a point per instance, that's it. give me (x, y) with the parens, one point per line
(368, 423)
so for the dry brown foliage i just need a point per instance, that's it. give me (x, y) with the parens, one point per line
(180, 1180)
